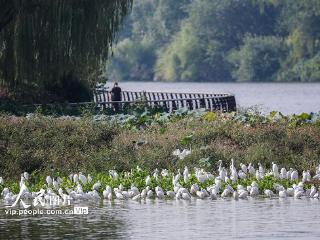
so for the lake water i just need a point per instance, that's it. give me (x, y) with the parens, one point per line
(285, 97)
(197, 219)
(173, 219)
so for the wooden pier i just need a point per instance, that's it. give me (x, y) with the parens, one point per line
(168, 101)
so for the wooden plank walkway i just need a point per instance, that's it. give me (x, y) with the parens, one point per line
(169, 101)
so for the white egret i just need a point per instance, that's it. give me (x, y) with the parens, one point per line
(155, 175)
(232, 167)
(26, 175)
(49, 180)
(135, 190)
(82, 178)
(185, 174)
(144, 193)
(254, 191)
(298, 194)
(258, 176)
(125, 194)
(176, 188)
(113, 174)
(137, 197)
(96, 186)
(251, 169)
(148, 180)
(170, 194)
(5, 191)
(242, 174)
(119, 195)
(55, 184)
(294, 175)
(226, 193)
(164, 172)
(223, 174)
(313, 191)
(283, 193)
(275, 170)
(75, 178)
(283, 173)
(89, 178)
(268, 193)
(150, 194)
(261, 169)
(243, 194)
(220, 165)
(243, 168)
(234, 175)
(176, 178)
(289, 173)
(160, 194)
(194, 188)
(200, 194)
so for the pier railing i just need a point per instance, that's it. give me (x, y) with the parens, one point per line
(168, 101)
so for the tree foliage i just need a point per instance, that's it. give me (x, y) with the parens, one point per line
(230, 40)
(46, 45)
(135, 59)
(258, 59)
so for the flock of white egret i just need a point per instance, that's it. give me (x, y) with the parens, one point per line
(226, 183)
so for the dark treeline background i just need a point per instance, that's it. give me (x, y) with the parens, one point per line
(215, 40)
(54, 50)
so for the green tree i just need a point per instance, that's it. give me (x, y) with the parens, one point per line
(198, 52)
(214, 40)
(45, 45)
(258, 59)
(229, 21)
(189, 58)
(132, 61)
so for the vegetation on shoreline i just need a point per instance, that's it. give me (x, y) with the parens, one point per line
(99, 143)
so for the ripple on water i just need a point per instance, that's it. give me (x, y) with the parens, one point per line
(171, 219)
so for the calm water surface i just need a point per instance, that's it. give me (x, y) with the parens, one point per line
(171, 219)
(285, 97)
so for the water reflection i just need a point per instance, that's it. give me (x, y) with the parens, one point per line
(197, 219)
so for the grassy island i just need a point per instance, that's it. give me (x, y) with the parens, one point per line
(98, 143)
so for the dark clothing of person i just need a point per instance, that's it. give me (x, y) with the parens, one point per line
(116, 94)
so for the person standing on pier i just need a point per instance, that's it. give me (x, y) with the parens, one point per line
(116, 96)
